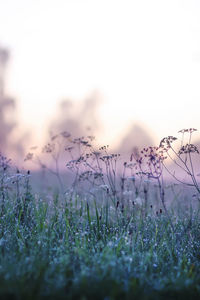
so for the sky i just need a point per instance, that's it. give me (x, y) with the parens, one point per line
(142, 57)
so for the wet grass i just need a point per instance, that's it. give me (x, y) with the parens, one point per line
(106, 235)
(79, 248)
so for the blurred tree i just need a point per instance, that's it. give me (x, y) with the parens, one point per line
(78, 118)
(8, 144)
(135, 138)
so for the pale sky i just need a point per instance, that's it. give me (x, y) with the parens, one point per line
(143, 57)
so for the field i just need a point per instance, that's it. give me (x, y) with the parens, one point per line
(104, 236)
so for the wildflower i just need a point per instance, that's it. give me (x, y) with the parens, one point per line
(188, 148)
(190, 130)
(49, 148)
(104, 187)
(29, 156)
(166, 141)
(96, 153)
(127, 193)
(138, 201)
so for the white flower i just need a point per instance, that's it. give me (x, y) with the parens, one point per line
(104, 187)
(127, 193)
(138, 200)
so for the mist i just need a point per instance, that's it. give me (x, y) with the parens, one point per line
(71, 118)
(77, 118)
(12, 142)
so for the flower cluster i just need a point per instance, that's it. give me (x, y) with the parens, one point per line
(189, 130)
(109, 157)
(49, 148)
(81, 141)
(188, 148)
(72, 164)
(90, 175)
(29, 156)
(166, 142)
(4, 162)
(150, 162)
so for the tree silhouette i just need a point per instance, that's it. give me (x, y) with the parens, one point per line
(136, 137)
(7, 109)
(78, 119)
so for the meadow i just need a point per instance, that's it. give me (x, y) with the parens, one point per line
(107, 229)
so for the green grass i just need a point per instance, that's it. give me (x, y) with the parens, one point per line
(80, 248)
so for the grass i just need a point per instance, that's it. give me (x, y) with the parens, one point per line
(81, 250)
(97, 244)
